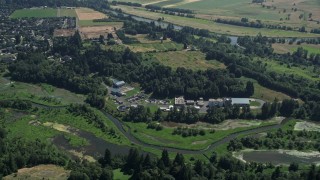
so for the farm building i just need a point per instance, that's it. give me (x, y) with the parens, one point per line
(179, 101)
(117, 92)
(216, 102)
(118, 84)
(240, 101)
(189, 102)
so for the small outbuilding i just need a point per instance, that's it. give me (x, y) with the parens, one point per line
(240, 102)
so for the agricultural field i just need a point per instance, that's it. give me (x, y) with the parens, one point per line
(212, 26)
(38, 13)
(90, 31)
(89, 14)
(290, 48)
(236, 9)
(194, 60)
(66, 12)
(84, 23)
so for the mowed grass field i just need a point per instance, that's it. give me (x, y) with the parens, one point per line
(194, 60)
(37, 13)
(212, 26)
(92, 23)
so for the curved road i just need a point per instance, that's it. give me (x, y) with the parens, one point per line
(120, 125)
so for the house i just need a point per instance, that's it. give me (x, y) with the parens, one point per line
(190, 102)
(118, 84)
(117, 92)
(240, 102)
(179, 101)
(200, 102)
(216, 102)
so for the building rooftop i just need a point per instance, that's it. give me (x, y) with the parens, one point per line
(179, 101)
(240, 101)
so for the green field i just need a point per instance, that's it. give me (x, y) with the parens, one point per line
(194, 60)
(266, 94)
(212, 26)
(118, 175)
(285, 48)
(92, 23)
(166, 138)
(147, 47)
(302, 71)
(41, 93)
(67, 12)
(37, 13)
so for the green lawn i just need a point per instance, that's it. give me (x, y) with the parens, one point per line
(37, 13)
(118, 175)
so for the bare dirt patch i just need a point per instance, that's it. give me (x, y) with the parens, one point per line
(89, 14)
(58, 127)
(308, 126)
(63, 32)
(40, 172)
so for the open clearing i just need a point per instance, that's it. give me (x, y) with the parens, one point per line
(35, 12)
(285, 48)
(89, 14)
(225, 125)
(308, 126)
(95, 31)
(63, 32)
(40, 93)
(278, 157)
(40, 172)
(194, 60)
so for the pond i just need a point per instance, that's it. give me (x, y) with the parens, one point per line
(278, 157)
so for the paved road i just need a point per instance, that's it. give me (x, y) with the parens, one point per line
(120, 125)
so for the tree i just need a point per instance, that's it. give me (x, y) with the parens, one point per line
(198, 167)
(106, 160)
(250, 88)
(294, 167)
(165, 158)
